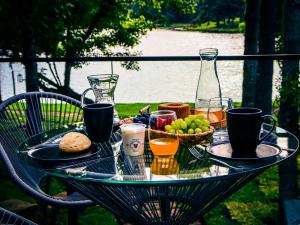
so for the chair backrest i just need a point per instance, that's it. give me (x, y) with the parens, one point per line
(28, 114)
(7, 217)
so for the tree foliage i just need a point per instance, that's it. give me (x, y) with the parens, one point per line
(217, 10)
(73, 28)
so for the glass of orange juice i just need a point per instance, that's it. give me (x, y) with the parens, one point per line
(162, 144)
(216, 115)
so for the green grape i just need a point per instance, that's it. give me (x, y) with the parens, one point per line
(204, 129)
(198, 122)
(190, 131)
(177, 122)
(180, 120)
(200, 117)
(173, 125)
(198, 131)
(205, 123)
(183, 125)
(188, 121)
(168, 127)
(179, 131)
(193, 125)
(172, 131)
(192, 117)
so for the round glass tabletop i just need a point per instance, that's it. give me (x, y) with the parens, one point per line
(106, 163)
(149, 190)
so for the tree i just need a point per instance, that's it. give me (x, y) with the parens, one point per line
(289, 95)
(251, 40)
(267, 33)
(73, 28)
(217, 10)
(24, 27)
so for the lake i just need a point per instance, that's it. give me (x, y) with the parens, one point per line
(160, 81)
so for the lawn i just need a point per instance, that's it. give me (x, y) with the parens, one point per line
(255, 203)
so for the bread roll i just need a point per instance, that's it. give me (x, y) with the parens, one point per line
(74, 142)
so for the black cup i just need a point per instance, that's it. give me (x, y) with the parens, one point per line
(244, 125)
(98, 119)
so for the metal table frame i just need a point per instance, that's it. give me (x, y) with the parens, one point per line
(181, 197)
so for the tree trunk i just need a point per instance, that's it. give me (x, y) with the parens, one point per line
(67, 74)
(218, 22)
(68, 67)
(1, 100)
(289, 96)
(251, 38)
(267, 31)
(29, 52)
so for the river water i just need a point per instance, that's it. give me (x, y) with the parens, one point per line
(159, 81)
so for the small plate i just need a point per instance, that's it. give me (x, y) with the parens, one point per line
(223, 150)
(51, 153)
(48, 152)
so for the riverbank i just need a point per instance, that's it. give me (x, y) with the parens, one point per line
(210, 27)
(158, 81)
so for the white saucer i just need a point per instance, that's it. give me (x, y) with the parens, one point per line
(224, 151)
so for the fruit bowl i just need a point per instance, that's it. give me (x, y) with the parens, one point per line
(192, 130)
(188, 139)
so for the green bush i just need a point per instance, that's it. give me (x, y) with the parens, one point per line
(242, 27)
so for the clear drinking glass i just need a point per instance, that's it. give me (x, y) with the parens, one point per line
(216, 115)
(162, 144)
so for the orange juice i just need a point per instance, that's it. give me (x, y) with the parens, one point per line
(214, 116)
(164, 146)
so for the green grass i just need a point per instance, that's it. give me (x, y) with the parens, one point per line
(256, 203)
(128, 110)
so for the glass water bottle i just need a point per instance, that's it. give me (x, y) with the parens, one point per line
(208, 82)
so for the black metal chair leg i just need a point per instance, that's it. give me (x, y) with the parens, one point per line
(73, 217)
(44, 205)
(119, 220)
(44, 213)
(54, 214)
(202, 220)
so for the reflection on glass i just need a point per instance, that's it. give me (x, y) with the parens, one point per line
(201, 169)
(164, 166)
(283, 142)
(134, 168)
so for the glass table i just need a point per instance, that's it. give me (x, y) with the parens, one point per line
(147, 190)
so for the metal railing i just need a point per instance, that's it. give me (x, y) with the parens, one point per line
(154, 58)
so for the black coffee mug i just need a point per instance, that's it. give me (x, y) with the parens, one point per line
(244, 125)
(98, 119)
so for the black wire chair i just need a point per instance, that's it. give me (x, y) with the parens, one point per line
(7, 217)
(28, 114)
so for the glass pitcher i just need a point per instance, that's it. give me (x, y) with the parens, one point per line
(208, 82)
(103, 86)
